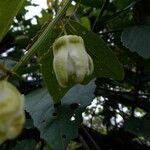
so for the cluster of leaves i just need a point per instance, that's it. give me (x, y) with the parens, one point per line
(53, 114)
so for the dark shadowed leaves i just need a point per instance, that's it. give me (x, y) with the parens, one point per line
(137, 39)
(58, 125)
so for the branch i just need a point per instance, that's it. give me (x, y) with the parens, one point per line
(96, 147)
(42, 38)
(101, 13)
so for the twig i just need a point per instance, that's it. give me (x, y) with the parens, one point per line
(85, 145)
(101, 13)
(91, 139)
(41, 40)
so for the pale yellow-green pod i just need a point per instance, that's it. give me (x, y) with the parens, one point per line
(12, 115)
(71, 61)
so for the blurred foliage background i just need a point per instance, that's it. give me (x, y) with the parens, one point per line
(119, 116)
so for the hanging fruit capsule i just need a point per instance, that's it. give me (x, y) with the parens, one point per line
(71, 62)
(12, 115)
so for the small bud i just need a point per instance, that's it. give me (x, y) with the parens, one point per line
(12, 116)
(71, 62)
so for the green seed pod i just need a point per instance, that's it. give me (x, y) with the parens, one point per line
(12, 116)
(71, 62)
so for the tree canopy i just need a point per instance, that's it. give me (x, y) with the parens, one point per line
(110, 109)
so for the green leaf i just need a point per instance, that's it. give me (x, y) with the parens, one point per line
(86, 22)
(105, 62)
(22, 41)
(139, 126)
(8, 9)
(120, 4)
(91, 3)
(70, 10)
(46, 16)
(137, 39)
(25, 145)
(54, 123)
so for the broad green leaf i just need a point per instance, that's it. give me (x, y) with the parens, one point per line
(139, 126)
(137, 39)
(54, 123)
(8, 9)
(105, 62)
(25, 145)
